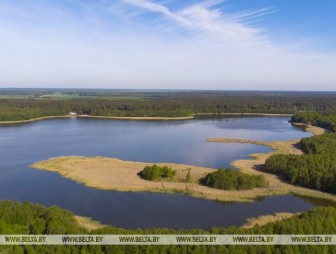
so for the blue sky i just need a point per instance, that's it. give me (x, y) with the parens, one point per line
(168, 44)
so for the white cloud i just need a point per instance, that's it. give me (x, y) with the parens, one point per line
(151, 6)
(202, 17)
(212, 49)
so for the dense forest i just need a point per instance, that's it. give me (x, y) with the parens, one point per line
(321, 119)
(229, 179)
(315, 169)
(25, 218)
(156, 173)
(27, 104)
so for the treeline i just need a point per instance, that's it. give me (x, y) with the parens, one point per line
(25, 218)
(228, 179)
(156, 173)
(168, 104)
(312, 171)
(323, 144)
(315, 169)
(324, 120)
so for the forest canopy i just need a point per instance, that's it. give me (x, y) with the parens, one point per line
(26, 218)
(324, 120)
(315, 169)
(21, 104)
(229, 179)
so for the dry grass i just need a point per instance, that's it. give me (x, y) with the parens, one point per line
(313, 129)
(265, 219)
(88, 223)
(114, 174)
(238, 140)
(32, 120)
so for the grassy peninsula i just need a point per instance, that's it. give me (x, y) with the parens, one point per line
(114, 174)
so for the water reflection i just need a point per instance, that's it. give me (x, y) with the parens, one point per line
(149, 141)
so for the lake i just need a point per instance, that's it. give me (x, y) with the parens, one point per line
(147, 141)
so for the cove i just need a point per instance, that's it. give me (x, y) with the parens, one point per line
(147, 141)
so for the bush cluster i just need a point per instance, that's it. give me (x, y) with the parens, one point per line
(228, 179)
(155, 173)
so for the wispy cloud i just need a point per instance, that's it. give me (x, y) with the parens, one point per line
(202, 17)
(154, 7)
(104, 44)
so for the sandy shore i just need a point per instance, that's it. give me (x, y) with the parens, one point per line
(140, 118)
(144, 118)
(242, 114)
(101, 117)
(33, 120)
(114, 174)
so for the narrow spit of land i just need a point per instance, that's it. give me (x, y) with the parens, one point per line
(101, 117)
(276, 185)
(145, 118)
(265, 219)
(114, 174)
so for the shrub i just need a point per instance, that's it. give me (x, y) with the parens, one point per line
(155, 173)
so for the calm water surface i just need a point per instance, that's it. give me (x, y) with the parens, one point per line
(150, 141)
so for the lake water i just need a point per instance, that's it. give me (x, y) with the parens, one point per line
(148, 141)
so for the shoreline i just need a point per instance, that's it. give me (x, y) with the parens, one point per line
(140, 118)
(32, 120)
(243, 114)
(119, 175)
(276, 185)
(265, 219)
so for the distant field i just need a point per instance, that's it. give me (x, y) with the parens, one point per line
(69, 96)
